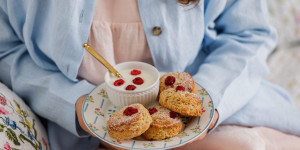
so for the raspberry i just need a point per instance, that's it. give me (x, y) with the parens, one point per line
(173, 115)
(119, 82)
(130, 88)
(130, 111)
(135, 72)
(138, 81)
(152, 110)
(180, 88)
(169, 81)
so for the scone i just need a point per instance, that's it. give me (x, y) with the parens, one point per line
(166, 124)
(175, 79)
(129, 122)
(182, 102)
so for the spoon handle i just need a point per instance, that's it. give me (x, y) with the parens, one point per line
(91, 50)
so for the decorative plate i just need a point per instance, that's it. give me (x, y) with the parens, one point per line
(97, 109)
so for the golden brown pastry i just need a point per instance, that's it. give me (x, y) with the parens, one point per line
(182, 102)
(182, 80)
(129, 122)
(166, 124)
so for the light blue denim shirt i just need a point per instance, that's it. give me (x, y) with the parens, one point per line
(223, 44)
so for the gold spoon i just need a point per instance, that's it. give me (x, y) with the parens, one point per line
(91, 50)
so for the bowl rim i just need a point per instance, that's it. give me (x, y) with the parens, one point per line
(106, 77)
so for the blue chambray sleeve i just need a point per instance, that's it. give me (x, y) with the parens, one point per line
(238, 43)
(49, 93)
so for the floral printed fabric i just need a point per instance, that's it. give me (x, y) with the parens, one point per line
(284, 68)
(284, 63)
(19, 127)
(285, 16)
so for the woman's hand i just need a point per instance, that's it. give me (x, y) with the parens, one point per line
(214, 121)
(216, 116)
(79, 104)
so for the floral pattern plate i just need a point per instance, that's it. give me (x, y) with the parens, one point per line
(97, 109)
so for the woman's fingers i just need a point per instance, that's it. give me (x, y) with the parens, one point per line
(216, 116)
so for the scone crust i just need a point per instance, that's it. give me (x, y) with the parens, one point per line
(182, 102)
(124, 127)
(163, 126)
(181, 79)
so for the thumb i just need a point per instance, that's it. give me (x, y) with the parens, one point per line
(215, 119)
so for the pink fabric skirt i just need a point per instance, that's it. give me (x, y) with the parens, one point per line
(230, 137)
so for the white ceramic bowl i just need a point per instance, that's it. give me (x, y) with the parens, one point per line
(144, 96)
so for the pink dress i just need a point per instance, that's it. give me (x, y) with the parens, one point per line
(117, 34)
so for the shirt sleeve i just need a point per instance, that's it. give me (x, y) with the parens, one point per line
(49, 93)
(237, 43)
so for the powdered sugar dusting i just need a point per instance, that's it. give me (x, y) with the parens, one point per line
(188, 94)
(161, 118)
(123, 122)
(118, 119)
(182, 79)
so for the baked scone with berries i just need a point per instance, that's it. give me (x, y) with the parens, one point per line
(175, 79)
(180, 101)
(129, 122)
(165, 124)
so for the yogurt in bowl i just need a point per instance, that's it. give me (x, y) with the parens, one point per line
(139, 84)
(133, 79)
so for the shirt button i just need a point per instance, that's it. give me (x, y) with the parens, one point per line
(156, 31)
